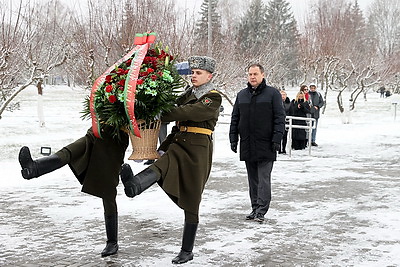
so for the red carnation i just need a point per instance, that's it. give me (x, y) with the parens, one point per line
(162, 55)
(128, 62)
(121, 88)
(147, 60)
(112, 98)
(139, 81)
(108, 78)
(150, 70)
(120, 71)
(109, 88)
(121, 82)
(153, 77)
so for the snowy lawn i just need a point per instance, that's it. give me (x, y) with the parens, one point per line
(338, 206)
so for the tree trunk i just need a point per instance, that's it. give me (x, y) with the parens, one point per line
(39, 86)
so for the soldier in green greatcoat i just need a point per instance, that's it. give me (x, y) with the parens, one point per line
(183, 170)
(96, 163)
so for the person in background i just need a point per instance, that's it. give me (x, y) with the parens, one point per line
(96, 163)
(286, 105)
(317, 102)
(183, 170)
(299, 108)
(258, 118)
(382, 91)
(304, 89)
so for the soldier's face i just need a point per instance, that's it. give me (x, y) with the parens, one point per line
(255, 76)
(200, 77)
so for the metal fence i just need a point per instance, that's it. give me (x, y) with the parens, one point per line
(289, 125)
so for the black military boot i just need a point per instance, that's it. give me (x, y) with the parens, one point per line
(189, 234)
(112, 235)
(35, 168)
(136, 184)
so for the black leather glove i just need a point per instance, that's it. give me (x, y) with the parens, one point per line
(234, 147)
(276, 147)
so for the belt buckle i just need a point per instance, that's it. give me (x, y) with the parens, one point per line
(185, 128)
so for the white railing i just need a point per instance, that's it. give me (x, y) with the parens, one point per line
(289, 125)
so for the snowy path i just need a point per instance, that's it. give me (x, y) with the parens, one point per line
(337, 207)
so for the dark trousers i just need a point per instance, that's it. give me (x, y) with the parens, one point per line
(110, 206)
(284, 141)
(259, 177)
(163, 132)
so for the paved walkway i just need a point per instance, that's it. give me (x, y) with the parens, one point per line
(322, 214)
(315, 222)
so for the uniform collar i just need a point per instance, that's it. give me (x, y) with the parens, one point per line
(202, 89)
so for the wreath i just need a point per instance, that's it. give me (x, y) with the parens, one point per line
(153, 88)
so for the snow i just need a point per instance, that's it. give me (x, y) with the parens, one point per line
(337, 206)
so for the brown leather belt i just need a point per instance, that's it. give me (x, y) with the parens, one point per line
(199, 130)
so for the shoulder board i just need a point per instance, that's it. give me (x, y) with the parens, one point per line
(214, 91)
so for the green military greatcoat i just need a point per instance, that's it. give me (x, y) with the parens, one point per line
(96, 162)
(186, 164)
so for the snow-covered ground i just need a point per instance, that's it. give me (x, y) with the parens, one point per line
(338, 206)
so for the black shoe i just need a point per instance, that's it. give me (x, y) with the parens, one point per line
(111, 223)
(35, 168)
(127, 176)
(259, 218)
(149, 162)
(29, 167)
(183, 256)
(251, 216)
(136, 184)
(110, 249)
(314, 144)
(189, 234)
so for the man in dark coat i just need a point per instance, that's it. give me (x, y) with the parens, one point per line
(96, 163)
(286, 105)
(183, 170)
(317, 102)
(258, 117)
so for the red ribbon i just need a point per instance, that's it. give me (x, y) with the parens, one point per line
(140, 51)
(130, 87)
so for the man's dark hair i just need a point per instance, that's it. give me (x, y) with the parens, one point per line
(256, 65)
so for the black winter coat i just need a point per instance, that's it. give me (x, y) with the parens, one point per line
(258, 117)
(316, 100)
(302, 111)
(286, 105)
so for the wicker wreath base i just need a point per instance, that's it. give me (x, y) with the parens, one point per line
(145, 148)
